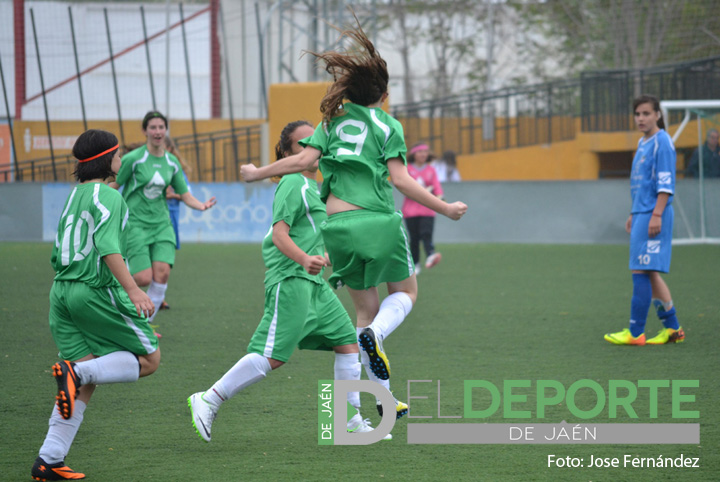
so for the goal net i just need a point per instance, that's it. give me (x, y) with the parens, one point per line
(697, 191)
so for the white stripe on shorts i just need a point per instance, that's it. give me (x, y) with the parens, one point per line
(140, 334)
(411, 265)
(270, 343)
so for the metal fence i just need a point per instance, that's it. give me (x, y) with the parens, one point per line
(607, 95)
(489, 121)
(217, 156)
(546, 113)
(213, 157)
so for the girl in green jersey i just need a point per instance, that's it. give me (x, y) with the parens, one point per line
(145, 175)
(300, 308)
(359, 146)
(98, 315)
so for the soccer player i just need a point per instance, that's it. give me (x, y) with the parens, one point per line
(98, 315)
(145, 175)
(652, 183)
(359, 146)
(300, 308)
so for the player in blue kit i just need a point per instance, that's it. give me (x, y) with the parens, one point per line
(652, 184)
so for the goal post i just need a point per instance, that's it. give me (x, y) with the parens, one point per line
(696, 200)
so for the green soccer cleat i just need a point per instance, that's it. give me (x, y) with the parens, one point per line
(43, 471)
(379, 363)
(667, 335)
(68, 384)
(625, 338)
(401, 408)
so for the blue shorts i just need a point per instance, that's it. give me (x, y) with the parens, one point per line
(651, 254)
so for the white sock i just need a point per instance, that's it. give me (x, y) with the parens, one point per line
(116, 367)
(61, 434)
(393, 311)
(365, 361)
(156, 292)
(347, 367)
(248, 370)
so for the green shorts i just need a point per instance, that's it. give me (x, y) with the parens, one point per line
(147, 243)
(367, 248)
(299, 312)
(97, 321)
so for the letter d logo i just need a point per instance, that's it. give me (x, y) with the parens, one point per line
(342, 388)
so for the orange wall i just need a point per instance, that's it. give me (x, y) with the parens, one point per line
(291, 102)
(5, 145)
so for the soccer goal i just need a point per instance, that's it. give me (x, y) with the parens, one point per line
(697, 198)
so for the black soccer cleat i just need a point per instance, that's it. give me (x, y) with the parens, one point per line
(43, 471)
(68, 384)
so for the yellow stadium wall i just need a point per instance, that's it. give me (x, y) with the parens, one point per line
(292, 102)
(577, 159)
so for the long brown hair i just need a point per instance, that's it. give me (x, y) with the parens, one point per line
(360, 74)
(172, 148)
(284, 145)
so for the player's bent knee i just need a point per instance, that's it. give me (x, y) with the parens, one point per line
(143, 278)
(346, 349)
(275, 364)
(149, 363)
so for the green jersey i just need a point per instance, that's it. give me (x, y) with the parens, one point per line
(91, 226)
(145, 179)
(297, 202)
(355, 149)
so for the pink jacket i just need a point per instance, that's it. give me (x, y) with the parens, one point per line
(427, 178)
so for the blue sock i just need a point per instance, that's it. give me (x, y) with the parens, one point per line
(640, 305)
(668, 318)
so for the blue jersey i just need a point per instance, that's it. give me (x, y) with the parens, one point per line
(653, 172)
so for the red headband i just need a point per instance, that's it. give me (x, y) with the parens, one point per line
(101, 154)
(421, 147)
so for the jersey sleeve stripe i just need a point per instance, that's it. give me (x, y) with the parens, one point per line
(105, 212)
(139, 161)
(385, 128)
(303, 190)
(171, 163)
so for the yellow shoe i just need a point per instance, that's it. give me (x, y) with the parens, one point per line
(372, 344)
(625, 338)
(401, 408)
(667, 335)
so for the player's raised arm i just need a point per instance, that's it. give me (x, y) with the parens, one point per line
(410, 188)
(289, 165)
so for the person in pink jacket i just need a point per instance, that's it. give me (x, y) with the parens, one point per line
(420, 220)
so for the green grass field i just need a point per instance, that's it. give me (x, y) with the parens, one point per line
(491, 312)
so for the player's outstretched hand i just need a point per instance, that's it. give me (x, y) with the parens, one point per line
(456, 210)
(314, 264)
(209, 203)
(249, 172)
(143, 303)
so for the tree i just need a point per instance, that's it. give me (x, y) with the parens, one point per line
(611, 34)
